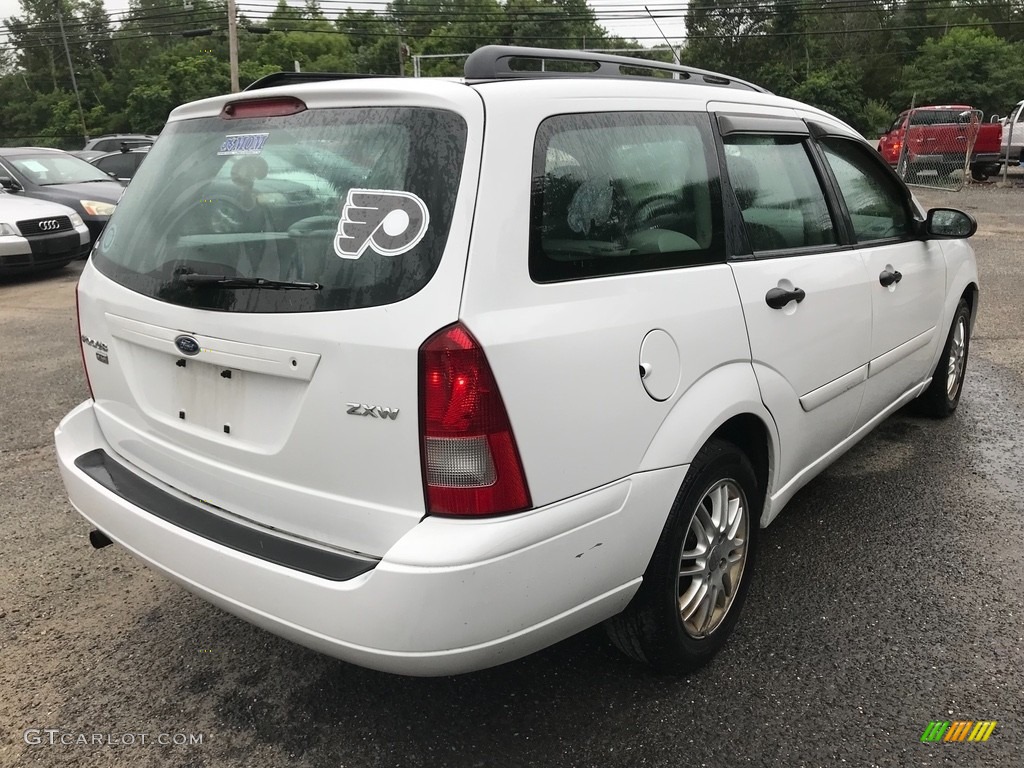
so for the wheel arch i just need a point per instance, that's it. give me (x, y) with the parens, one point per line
(971, 295)
(725, 403)
(750, 434)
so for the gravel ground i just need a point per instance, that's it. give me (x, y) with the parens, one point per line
(889, 594)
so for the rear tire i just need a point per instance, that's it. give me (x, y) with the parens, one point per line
(943, 394)
(695, 585)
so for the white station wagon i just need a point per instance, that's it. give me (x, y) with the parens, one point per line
(429, 374)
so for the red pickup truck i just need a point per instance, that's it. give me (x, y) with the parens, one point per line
(938, 139)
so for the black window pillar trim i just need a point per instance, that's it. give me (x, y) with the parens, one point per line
(737, 245)
(833, 194)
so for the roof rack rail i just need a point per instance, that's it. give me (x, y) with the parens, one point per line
(493, 62)
(297, 78)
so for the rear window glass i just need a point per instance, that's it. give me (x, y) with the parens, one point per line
(939, 116)
(337, 208)
(623, 192)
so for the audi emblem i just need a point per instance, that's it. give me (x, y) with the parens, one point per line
(48, 225)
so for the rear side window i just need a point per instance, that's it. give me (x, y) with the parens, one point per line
(623, 192)
(780, 198)
(121, 165)
(355, 201)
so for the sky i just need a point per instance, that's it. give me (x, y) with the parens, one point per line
(610, 13)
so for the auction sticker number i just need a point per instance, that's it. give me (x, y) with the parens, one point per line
(243, 144)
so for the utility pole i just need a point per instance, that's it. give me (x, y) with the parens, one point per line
(233, 45)
(71, 68)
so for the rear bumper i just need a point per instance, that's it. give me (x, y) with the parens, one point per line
(986, 158)
(450, 596)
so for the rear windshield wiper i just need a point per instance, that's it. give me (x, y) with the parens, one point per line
(224, 281)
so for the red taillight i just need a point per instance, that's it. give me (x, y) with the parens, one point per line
(278, 106)
(471, 464)
(81, 344)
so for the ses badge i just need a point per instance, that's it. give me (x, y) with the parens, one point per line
(390, 222)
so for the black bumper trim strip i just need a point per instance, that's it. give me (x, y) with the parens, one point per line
(116, 477)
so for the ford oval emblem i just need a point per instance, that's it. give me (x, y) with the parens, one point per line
(187, 345)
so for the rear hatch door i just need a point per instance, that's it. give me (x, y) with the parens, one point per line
(252, 315)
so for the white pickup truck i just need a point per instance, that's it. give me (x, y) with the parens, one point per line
(1013, 133)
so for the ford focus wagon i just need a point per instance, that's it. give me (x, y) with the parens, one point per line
(428, 374)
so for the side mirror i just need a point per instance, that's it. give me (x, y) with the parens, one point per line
(949, 224)
(8, 183)
(995, 119)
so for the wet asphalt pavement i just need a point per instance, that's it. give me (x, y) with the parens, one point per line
(890, 593)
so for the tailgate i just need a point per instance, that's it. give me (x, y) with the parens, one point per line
(252, 316)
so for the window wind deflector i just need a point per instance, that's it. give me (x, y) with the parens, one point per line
(730, 124)
(224, 281)
(495, 62)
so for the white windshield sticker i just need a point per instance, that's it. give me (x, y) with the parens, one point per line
(243, 144)
(33, 165)
(390, 222)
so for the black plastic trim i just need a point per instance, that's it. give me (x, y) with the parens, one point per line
(261, 544)
(298, 78)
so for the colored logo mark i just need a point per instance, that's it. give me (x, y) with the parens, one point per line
(958, 730)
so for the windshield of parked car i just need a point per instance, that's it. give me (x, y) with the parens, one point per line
(354, 201)
(47, 169)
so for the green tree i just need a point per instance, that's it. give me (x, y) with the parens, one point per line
(966, 66)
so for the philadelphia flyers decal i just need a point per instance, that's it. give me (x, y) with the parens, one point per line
(389, 222)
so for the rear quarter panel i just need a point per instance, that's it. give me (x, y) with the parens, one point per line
(566, 355)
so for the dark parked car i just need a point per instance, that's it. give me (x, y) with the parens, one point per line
(120, 165)
(50, 174)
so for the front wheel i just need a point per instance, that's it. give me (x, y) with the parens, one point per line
(943, 394)
(695, 585)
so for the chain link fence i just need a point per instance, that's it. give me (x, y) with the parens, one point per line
(944, 147)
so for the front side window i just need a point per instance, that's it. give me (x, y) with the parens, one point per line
(877, 207)
(778, 192)
(623, 192)
(355, 201)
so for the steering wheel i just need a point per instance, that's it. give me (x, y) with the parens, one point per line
(649, 211)
(314, 226)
